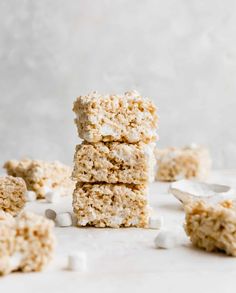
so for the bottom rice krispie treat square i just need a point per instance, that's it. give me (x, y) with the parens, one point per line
(179, 163)
(12, 194)
(41, 176)
(26, 242)
(111, 205)
(212, 226)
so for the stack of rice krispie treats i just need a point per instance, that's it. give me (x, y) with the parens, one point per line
(115, 162)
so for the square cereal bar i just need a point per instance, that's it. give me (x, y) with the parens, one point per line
(41, 176)
(27, 242)
(114, 162)
(127, 118)
(111, 205)
(212, 226)
(12, 194)
(179, 163)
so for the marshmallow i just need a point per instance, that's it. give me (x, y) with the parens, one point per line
(156, 222)
(77, 262)
(30, 195)
(50, 214)
(52, 196)
(64, 220)
(166, 239)
(15, 261)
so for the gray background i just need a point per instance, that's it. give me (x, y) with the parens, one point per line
(179, 52)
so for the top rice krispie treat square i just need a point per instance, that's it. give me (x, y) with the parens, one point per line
(127, 118)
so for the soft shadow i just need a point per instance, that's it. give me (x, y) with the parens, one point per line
(172, 206)
(200, 251)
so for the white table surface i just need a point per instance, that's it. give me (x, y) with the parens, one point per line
(125, 260)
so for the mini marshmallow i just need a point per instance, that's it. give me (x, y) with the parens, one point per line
(166, 239)
(156, 222)
(50, 214)
(52, 197)
(15, 261)
(30, 195)
(77, 262)
(64, 220)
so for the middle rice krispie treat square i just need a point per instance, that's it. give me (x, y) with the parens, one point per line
(114, 162)
(179, 163)
(111, 205)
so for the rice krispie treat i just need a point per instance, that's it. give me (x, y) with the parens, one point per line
(179, 163)
(114, 162)
(212, 226)
(12, 194)
(26, 242)
(127, 118)
(111, 205)
(41, 176)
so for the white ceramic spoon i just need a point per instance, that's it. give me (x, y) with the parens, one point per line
(187, 190)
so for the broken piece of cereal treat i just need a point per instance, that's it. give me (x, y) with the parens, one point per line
(114, 162)
(26, 242)
(127, 118)
(7, 240)
(111, 205)
(212, 226)
(12, 194)
(41, 176)
(178, 163)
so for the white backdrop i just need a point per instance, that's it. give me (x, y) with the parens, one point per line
(181, 53)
